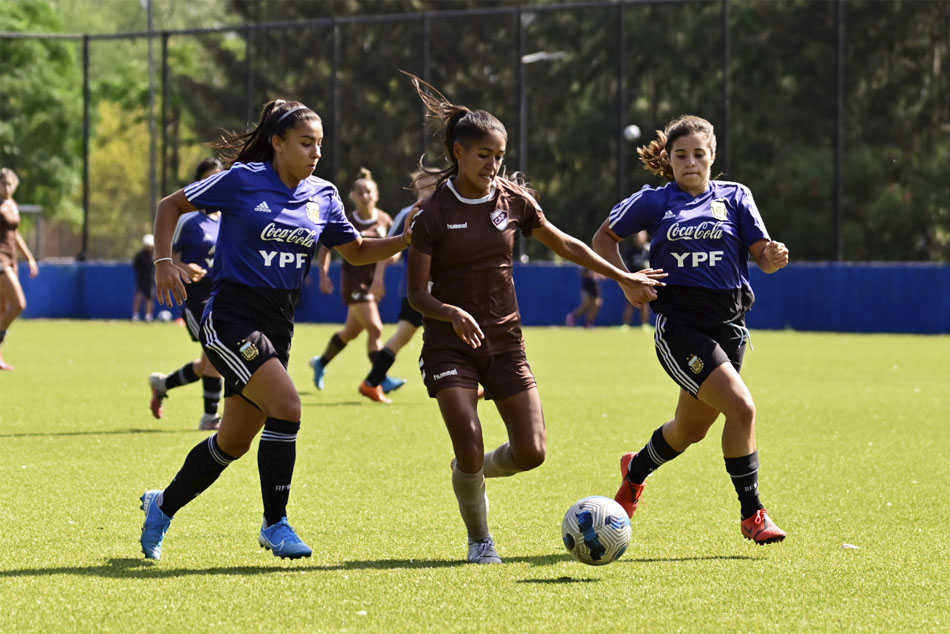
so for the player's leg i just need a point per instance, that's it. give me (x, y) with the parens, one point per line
(13, 303)
(203, 464)
(458, 406)
(726, 391)
(367, 313)
(410, 320)
(212, 386)
(351, 328)
(527, 437)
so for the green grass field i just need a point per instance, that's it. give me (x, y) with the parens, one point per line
(853, 436)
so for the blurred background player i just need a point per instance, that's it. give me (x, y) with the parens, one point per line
(144, 279)
(12, 298)
(356, 288)
(410, 320)
(703, 233)
(591, 301)
(463, 241)
(193, 251)
(274, 213)
(636, 255)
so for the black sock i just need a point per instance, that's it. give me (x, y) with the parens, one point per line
(212, 393)
(202, 467)
(3, 335)
(653, 455)
(384, 360)
(276, 454)
(744, 472)
(333, 348)
(184, 376)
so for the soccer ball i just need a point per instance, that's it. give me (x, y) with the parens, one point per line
(164, 315)
(596, 530)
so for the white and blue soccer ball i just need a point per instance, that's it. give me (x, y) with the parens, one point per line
(164, 315)
(596, 530)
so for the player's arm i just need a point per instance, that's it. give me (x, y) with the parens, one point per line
(169, 279)
(25, 250)
(369, 250)
(638, 287)
(769, 255)
(323, 265)
(606, 244)
(465, 326)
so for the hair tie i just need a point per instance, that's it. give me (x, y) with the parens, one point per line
(290, 112)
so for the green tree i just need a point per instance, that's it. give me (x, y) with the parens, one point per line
(40, 109)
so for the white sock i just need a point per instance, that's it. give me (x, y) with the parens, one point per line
(500, 463)
(473, 502)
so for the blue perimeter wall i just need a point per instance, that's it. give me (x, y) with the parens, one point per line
(867, 297)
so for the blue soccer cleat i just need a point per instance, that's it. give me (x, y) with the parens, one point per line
(389, 384)
(281, 539)
(155, 526)
(318, 371)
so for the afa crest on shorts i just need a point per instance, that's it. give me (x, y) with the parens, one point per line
(719, 210)
(313, 212)
(248, 350)
(695, 364)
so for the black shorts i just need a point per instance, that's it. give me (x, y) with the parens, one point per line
(238, 346)
(198, 295)
(689, 354)
(502, 375)
(590, 288)
(410, 314)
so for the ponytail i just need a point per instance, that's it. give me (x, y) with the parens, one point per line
(276, 118)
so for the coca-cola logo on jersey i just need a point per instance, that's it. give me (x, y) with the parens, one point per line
(291, 235)
(703, 231)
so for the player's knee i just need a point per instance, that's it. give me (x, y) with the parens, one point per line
(286, 408)
(744, 411)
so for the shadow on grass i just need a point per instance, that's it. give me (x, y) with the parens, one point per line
(145, 569)
(558, 580)
(384, 564)
(657, 560)
(113, 432)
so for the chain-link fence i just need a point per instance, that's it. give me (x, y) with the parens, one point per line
(836, 114)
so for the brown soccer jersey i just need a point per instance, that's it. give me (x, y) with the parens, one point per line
(471, 243)
(356, 279)
(8, 235)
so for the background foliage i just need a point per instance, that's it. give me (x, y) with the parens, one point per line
(779, 139)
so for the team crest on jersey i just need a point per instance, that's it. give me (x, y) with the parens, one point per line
(695, 364)
(719, 210)
(499, 218)
(248, 350)
(313, 212)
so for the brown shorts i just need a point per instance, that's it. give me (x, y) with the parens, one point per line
(354, 292)
(502, 375)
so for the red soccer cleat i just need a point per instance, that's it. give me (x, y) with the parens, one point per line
(629, 494)
(373, 393)
(761, 529)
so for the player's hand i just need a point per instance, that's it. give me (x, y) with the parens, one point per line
(170, 283)
(377, 289)
(34, 269)
(410, 220)
(640, 288)
(195, 272)
(467, 329)
(775, 254)
(326, 284)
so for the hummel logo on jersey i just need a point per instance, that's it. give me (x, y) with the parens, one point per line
(669, 214)
(462, 225)
(263, 207)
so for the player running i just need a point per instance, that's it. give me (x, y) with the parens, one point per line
(274, 214)
(703, 233)
(463, 242)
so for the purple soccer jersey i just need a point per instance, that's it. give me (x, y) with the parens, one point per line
(268, 232)
(702, 241)
(195, 238)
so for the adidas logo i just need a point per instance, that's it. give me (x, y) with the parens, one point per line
(263, 207)
(668, 215)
